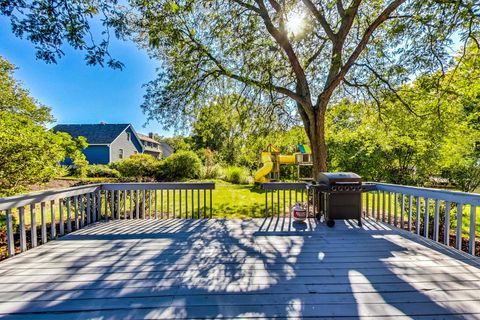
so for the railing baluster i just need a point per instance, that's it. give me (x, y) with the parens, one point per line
(174, 204)
(204, 203)
(473, 224)
(374, 207)
(137, 204)
(149, 204)
(458, 240)
(88, 208)
(367, 203)
(82, 211)
(99, 205)
(112, 205)
(446, 228)
(143, 204)
(33, 225)
(193, 204)
(10, 241)
(395, 210)
(43, 213)
(180, 203)
(131, 204)
(426, 218)
(211, 206)
(61, 223)
(402, 211)
(69, 216)
(161, 203)
(23, 233)
(106, 205)
(389, 208)
(436, 218)
(278, 203)
(418, 216)
(75, 201)
(378, 205)
(118, 205)
(198, 202)
(284, 208)
(52, 220)
(124, 204)
(409, 212)
(156, 205)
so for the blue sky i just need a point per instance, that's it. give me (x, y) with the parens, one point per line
(78, 93)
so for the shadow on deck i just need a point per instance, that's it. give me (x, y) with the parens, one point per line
(259, 268)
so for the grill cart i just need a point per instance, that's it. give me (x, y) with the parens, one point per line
(340, 195)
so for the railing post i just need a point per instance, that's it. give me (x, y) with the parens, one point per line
(409, 212)
(402, 211)
(473, 220)
(52, 221)
(458, 240)
(446, 229)
(418, 214)
(10, 241)
(43, 214)
(23, 233)
(33, 226)
(426, 218)
(61, 222)
(436, 218)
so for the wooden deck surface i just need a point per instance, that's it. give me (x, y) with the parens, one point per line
(257, 268)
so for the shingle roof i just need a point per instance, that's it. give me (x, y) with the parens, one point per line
(94, 133)
(144, 137)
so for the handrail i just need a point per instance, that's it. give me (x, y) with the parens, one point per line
(44, 196)
(73, 208)
(425, 211)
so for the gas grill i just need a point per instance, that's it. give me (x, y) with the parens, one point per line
(341, 196)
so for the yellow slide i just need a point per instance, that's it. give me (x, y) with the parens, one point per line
(266, 159)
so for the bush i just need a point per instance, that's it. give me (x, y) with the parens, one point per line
(138, 165)
(102, 171)
(180, 165)
(215, 171)
(237, 175)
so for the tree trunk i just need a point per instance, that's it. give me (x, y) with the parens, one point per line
(316, 134)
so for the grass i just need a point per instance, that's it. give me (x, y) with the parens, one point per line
(239, 201)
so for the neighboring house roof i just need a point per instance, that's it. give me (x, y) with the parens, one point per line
(102, 133)
(166, 149)
(144, 137)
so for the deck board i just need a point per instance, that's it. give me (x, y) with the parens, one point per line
(258, 268)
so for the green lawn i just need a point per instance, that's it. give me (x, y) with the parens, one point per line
(237, 201)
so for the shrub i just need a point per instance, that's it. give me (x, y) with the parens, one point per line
(237, 175)
(215, 171)
(138, 165)
(180, 165)
(102, 171)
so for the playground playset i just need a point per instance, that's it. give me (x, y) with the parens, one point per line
(272, 160)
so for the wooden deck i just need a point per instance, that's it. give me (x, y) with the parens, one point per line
(129, 269)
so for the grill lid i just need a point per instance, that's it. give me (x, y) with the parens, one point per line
(339, 178)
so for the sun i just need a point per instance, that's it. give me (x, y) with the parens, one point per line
(295, 23)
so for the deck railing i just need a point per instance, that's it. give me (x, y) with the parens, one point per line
(281, 196)
(67, 210)
(425, 211)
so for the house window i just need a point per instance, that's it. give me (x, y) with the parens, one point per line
(120, 153)
(128, 136)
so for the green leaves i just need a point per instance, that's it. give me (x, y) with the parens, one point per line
(29, 153)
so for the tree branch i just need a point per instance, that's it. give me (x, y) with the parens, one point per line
(361, 46)
(321, 18)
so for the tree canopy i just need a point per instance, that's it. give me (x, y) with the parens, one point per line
(29, 153)
(297, 55)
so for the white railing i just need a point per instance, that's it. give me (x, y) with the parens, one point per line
(67, 210)
(426, 211)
